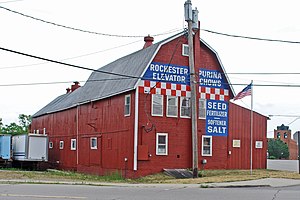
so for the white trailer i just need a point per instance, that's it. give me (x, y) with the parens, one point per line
(30, 147)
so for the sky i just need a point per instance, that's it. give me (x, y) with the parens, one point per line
(27, 84)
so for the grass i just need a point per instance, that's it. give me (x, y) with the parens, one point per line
(209, 176)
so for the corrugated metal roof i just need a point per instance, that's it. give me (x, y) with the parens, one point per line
(102, 85)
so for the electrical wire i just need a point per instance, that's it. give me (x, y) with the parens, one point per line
(12, 1)
(251, 38)
(135, 36)
(67, 64)
(264, 73)
(130, 76)
(70, 58)
(85, 31)
(59, 82)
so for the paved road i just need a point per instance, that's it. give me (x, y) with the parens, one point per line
(285, 165)
(177, 192)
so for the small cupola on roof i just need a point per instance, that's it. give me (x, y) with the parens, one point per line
(148, 41)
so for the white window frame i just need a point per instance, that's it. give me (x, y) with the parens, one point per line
(185, 46)
(168, 106)
(73, 144)
(61, 144)
(50, 145)
(92, 144)
(165, 144)
(202, 109)
(127, 105)
(203, 145)
(181, 107)
(161, 104)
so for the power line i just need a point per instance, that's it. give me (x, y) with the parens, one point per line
(251, 38)
(136, 36)
(12, 1)
(74, 57)
(136, 77)
(85, 31)
(124, 78)
(284, 115)
(264, 73)
(71, 65)
(58, 82)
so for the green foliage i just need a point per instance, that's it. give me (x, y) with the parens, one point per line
(14, 128)
(25, 121)
(272, 157)
(278, 149)
(201, 173)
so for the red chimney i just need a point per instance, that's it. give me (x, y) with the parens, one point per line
(68, 90)
(148, 41)
(75, 86)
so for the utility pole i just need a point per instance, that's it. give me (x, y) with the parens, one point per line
(189, 18)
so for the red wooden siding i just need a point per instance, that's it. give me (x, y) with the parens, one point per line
(105, 120)
(239, 129)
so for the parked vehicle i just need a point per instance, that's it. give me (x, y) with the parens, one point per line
(25, 151)
(30, 147)
(30, 150)
(5, 150)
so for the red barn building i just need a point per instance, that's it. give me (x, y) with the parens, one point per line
(133, 115)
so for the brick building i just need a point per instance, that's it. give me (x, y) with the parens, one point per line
(284, 133)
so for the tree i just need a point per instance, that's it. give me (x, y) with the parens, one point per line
(1, 124)
(15, 129)
(278, 149)
(25, 121)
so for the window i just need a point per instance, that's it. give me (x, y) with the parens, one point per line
(127, 105)
(185, 50)
(161, 144)
(285, 135)
(206, 145)
(50, 145)
(278, 135)
(94, 143)
(185, 107)
(157, 105)
(172, 106)
(202, 109)
(61, 144)
(73, 144)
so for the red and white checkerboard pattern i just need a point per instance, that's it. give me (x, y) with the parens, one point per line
(171, 89)
(214, 93)
(163, 88)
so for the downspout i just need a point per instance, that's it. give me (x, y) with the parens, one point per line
(136, 125)
(77, 134)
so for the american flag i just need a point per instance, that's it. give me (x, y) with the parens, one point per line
(245, 92)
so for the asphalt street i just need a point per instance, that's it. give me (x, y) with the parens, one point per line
(161, 192)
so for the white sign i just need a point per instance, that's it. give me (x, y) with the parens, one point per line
(259, 144)
(236, 143)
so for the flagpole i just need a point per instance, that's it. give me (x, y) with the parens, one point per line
(251, 130)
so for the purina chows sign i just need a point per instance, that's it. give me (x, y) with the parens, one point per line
(212, 79)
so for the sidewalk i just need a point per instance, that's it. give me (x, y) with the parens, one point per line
(267, 182)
